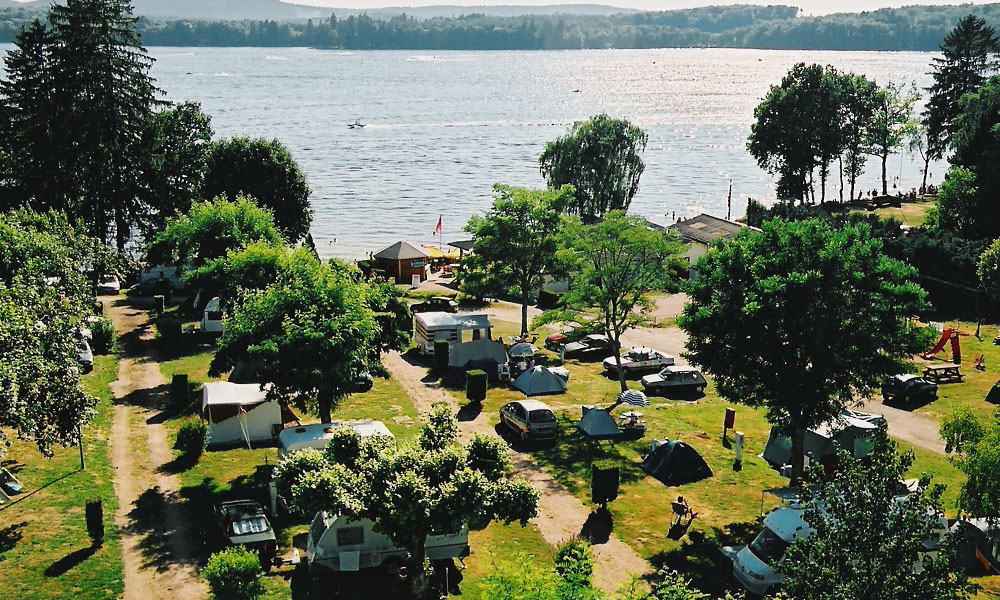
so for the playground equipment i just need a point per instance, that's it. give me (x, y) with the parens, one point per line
(956, 351)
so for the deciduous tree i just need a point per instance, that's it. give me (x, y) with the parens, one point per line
(602, 159)
(517, 243)
(892, 123)
(799, 318)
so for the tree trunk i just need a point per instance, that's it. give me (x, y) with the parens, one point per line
(840, 169)
(822, 179)
(524, 309)
(121, 229)
(324, 406)
(419, 584)
(927, 166)
(885, 179)
(618, 362)
(798, 455)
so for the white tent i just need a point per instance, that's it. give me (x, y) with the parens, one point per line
(538, 381)
(211, 320)
(239, 413)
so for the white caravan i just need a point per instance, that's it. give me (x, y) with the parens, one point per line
(318, 435)
(337, 543)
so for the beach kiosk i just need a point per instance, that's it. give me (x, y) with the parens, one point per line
(455, 328)
(403, 260)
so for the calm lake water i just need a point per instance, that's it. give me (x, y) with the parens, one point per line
(442, 128)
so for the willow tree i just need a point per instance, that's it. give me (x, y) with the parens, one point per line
(801, 319)
(602, 159)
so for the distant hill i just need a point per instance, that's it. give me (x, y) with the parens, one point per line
(226, 10)
(451, 11)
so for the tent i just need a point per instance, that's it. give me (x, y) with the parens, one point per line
(538, 381)
(975, 552)
(598, 423)
(239, 413)
(994, 395)
(676, 463)
(522, 350)
(483, 354)
(851, 431)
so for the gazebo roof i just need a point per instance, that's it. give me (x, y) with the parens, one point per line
(401, 250)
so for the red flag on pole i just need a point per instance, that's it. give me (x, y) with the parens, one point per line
(437, 229)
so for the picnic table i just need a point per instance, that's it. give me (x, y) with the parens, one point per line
(944, 373)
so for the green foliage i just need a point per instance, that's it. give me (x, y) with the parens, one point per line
(968, 55)
(516, 244)
(605, 479)
(865, 541)
(616, 264)
(255, 266)
(989, 269)
(344, 447)
(960, 429)
(825, 313)
(292, 467)
(602, 159)
(520, 578)
(575, 563)
(431, 487)
(958, 203)
(210, 231)
(977, 148)
(671, 585)
(103, 336)
(265, 171)
(175, 143)
(192, 437)
(892, 123)
(476, 384)
(234, 574)
(64, 160)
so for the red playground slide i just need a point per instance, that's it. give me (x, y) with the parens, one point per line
(946, 335)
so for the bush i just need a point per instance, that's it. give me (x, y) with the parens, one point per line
(488, 455)
(344, 447)
(192, 437)
(548, 300)
(476, 385)
(441, 349)
(604, 483)
(291, 467)
(180, 389)
(94, 515)
(103, 336)
(234, 574)
(169, 328)
(575, 563)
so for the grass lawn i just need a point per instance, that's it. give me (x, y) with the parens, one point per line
(44, 548)
(912, 214)
(972, 392)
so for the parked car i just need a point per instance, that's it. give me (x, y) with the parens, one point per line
(85, 356)
(569, 333)
(435, 304)
(244, 523)
(639, 360)
(109, 285)
(592, 347)
(530, 420)
(677, 379)
(908, 388)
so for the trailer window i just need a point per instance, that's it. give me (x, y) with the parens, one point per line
(350, 536)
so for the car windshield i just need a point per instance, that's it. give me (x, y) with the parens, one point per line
(768, 547)
(251, 525)
(541, 416)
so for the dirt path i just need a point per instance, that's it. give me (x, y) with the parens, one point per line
(155, 553)
(560, 514)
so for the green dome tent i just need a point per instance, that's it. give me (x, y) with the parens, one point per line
(676, 463)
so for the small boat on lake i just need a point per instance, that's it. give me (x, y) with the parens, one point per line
(356, 124)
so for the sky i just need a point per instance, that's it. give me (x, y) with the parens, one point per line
(808, 6)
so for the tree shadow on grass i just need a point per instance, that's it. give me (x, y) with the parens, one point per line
(9, 537)
(148, 520)
(71, 560)
(700, 559)
(574, 454)
(184, 461)
(598, 527)
(470, 411)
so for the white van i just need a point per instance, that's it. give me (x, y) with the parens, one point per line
(337, 543)
(757, 566)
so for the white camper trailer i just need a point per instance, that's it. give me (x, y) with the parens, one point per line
(150, 277)
(318, 435)
(339, 544)
(239, 413)
(211, 320)
(455, 328)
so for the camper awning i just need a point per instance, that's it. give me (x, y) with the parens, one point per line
(222, 400)
(477, 352)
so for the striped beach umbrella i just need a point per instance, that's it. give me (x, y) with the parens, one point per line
(633, 398)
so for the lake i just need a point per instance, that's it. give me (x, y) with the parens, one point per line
(443, 127)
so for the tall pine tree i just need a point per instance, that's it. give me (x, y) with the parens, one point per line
(969, 55)
(84, 139)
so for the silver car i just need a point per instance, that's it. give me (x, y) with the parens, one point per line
(639, 360)
(677, 379)
(530, 420)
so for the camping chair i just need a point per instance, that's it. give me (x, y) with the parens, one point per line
(683, 511)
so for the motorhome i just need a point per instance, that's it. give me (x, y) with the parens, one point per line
(757, 566)
(455, 329)
(337, 543)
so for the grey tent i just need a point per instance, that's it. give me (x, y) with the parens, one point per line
(974, 551)
(852, 431)
(598, 423)
(538, 381)
(676, 463)
(482, 354)
(994, 394)
(246, 371)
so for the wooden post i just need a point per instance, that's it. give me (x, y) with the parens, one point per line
(79, 438)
